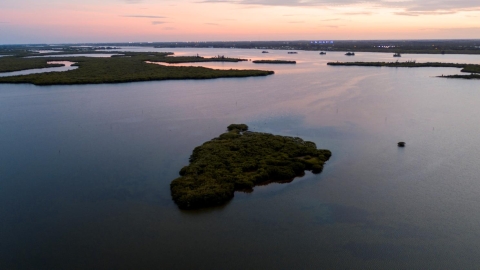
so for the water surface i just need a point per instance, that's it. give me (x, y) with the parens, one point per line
(86, 170)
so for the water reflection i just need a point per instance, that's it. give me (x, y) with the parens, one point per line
(86, 170)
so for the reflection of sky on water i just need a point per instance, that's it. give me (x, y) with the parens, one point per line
(86, 170)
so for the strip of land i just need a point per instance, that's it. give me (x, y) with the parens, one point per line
(274, 62)
(240, 160)
(130, 67)
(470, 68)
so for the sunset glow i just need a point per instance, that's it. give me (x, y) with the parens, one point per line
(54, 21)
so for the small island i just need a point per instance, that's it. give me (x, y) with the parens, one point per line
(470, 68)
(238, 160)
(274, 62)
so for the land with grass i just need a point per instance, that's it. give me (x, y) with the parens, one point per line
(470, 68)
(274, 62)
(238, 160)
(129, 67)
(12, 63)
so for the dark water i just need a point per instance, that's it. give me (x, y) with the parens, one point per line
(85, 170)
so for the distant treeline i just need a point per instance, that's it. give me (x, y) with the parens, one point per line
(390, 46)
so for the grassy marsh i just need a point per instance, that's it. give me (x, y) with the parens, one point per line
(130, 67)
(274, 62)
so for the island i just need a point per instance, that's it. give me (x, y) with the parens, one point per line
(470, 68)
(127, 67)
(238, 160)
(274, 62)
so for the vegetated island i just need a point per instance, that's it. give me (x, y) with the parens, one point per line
(238, 160)
(274, 62)
(470, 68)
(129, 67)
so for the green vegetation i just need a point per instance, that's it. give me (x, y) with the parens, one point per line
(274, 62)
(197, 59)
(410, 64)
(468, 77)
(10, 63)
(471, 68)
(130, 67)
(239, 160)
(397, 64)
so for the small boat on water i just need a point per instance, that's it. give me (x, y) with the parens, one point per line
(397, 55)
(350, 54)
(292, 52)
(323, 53)
(264, 52)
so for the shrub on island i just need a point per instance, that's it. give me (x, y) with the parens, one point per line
(240, 160)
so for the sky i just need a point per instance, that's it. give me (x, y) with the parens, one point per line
(88, 21)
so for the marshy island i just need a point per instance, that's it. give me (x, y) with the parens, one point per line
(274, 62)
(127, 67)
(238, 160)
(473, 69)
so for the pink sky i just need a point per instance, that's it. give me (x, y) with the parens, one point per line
(55, 21)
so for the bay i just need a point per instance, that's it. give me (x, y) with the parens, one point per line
(85, 170)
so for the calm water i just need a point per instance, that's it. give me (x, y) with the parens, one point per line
(85, 170)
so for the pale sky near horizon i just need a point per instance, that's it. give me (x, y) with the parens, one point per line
(78, 21)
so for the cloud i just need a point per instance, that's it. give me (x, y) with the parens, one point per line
(454, 29)
(418, 13)
(440, 6)
(133, 1)
(329, 20)
(333, 26)
(357, 13)
(291, 2)
(158, 22)
(144, 16)
(216, 24)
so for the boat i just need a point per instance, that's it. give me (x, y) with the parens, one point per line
(350, 53)
(322, 53)
(264, 52)
(397, 55)
(292, 52)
